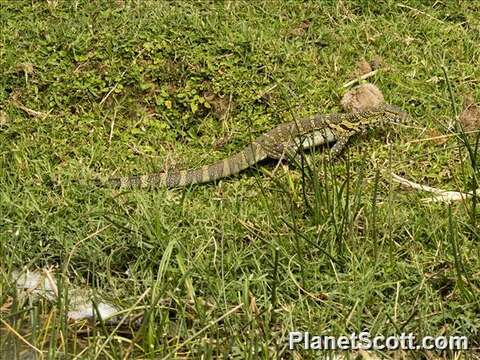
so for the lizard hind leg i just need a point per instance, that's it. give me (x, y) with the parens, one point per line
(280, 152)
(292, 154)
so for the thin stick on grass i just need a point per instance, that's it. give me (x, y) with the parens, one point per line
(112, 125)
(360, 78)
(421, 12)
(438, 194)
(30, 112)
(440, 137)
(111, 90)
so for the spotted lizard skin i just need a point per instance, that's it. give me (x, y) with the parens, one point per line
(281, 142)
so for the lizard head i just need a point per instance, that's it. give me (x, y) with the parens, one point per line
(381, 115)
(393, 113)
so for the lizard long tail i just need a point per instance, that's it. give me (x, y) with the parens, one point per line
(249, 156)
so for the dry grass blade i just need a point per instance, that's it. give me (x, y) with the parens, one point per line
(30, 112)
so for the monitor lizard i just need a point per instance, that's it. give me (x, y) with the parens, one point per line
(282, 142)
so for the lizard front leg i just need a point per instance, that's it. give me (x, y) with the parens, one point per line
(338, 148)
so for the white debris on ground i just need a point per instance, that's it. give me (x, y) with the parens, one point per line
(439, 195)
(42, 284)
(86, 311)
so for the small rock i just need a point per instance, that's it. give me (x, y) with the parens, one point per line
(301, 28)
(363, 67)
(27, 68)
(361, 98)
(221, 104)
(3, 118)
(470, 117)
(377, 62)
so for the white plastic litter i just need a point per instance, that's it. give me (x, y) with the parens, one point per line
(42, 283)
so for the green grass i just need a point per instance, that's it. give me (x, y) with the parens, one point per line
(230, 268)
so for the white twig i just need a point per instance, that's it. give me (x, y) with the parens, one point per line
(30, 112)
(363, 77)
(439, 194)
